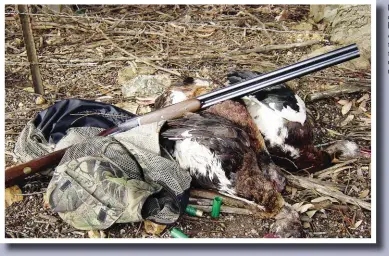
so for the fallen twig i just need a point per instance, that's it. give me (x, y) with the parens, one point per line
(336, 92)
(261, 24)
(135, 57)
(331, 169)
(211, 195)
(200, 201)
(224, 209)
(268, 48)
(329, 191)
(253, 208)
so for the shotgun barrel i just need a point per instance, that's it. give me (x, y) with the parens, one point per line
(257, 86)
(15, 173)
(299, 65)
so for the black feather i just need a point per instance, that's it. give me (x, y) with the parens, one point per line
(280, 95)
(226, 140)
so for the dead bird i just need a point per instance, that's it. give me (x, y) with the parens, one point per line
(280, 114)
(278, 130)
(223, 150)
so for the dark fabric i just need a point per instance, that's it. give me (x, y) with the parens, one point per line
(54, 121)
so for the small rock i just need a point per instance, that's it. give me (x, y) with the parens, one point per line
(359, 63)
(145, 86)
(95, 234)
(28, 89)
(40, 100)
(153, 228)
(303, 26)
(143, 110)
(122, 231)
(254, 232)
(130, 72)
(128, 106)
(20, 105)
(12, 195)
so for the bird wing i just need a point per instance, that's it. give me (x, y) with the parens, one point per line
(225, 139)
(280, 98)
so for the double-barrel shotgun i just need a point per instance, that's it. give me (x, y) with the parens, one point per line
(18, 172)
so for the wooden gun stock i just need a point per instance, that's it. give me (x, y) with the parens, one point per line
(17, 172)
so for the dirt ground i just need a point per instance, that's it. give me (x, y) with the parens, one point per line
(81, 52)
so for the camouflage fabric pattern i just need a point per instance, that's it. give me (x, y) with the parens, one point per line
(107, 180)
(31, 144)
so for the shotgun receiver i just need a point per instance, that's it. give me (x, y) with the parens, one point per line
(15, 173)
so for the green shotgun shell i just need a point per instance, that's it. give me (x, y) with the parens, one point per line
(190, 210)
(217, 202)
(176, 233)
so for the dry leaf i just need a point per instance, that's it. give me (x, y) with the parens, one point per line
(96, 234)
(12, 195)
(40, 100)
(146, 100)
(305, 207)
(323, 198)
(297, 206)
(311, 213)
(359, 172)
(106, 97)
(364, 97)
(294, 191)
(357, 224)
(306, 225)
(283, 15)
(343, 102)
(153, 228)
(332, 132)
(348, 119)
(129, 106)
(362, 106)
(28, 89)
(370, 170)
(364, 193)
(46, 204)
(346, 108)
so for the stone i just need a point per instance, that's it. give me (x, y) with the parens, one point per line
(352, 24)
(347, 24)
(303, 26)
(40, 100)
(146, 86)
(359, 63)
(320, 12)
(131, 107)
(128, 73)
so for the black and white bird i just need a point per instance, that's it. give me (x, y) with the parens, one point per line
(238, 146)
(224, 151)
(281, 116)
